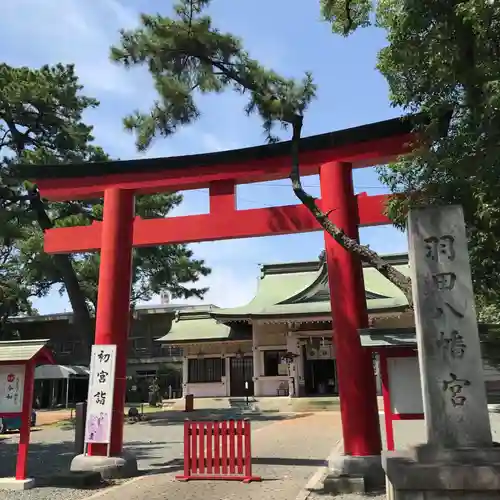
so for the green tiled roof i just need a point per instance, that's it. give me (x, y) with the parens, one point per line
(284, 291)
(302, 289)
(396, 337)
(201, 329)
(200, 325)
(407, 337)
(275, 288)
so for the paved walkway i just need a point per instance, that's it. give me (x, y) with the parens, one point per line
(287, 454)
(289, 450)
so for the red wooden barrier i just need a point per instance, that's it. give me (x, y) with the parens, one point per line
(218, 451)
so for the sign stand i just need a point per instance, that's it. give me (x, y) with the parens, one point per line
(392, 407)
(98, 454)
(100, 397)
(18, 360)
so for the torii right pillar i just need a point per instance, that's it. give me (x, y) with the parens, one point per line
(360, 466)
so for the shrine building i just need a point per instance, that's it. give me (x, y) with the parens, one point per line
(280, 344)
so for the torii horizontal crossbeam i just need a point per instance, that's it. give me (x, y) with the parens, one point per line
(223, 223)
(243, 170)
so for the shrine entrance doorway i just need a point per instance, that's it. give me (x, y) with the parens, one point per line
(241, 376)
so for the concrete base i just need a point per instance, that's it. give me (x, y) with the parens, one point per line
(13, 484)
(350, 474)
(338, 485)
(425, 453)
(465, 474)
(119, 467)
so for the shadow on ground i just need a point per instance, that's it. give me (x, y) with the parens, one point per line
(159, 418)
(65, 425)
(177, 465)
(47, 460)
(299, 462)
(11, 433)
(178, 417)
(368, 494)
(237, 411)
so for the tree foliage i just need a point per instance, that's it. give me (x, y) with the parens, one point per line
(187, 57)
(445, 56)
(41, 122)
(15, 290)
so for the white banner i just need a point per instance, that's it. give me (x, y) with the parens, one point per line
(11, 388)
(100, 396)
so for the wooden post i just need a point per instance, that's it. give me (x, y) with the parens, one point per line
(24, 432)
(80, 418)
(453, 388)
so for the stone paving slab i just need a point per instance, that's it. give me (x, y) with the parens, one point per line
(406, 433)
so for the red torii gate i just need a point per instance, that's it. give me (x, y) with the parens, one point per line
(332, 155)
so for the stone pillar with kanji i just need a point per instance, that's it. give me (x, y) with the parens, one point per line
(458, 458)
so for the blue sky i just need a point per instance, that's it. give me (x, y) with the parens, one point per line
(284, 35)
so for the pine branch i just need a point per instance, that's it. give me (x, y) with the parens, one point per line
(349, 21)
(217, 61)
(363, 252)
(68, 275)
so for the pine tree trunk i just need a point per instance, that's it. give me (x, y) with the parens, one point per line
(81, 316)
(82, 321)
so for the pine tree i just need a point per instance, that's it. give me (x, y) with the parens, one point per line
(41, 122)
(187, 56)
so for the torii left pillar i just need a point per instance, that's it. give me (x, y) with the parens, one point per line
(358, 400)
(112, 325)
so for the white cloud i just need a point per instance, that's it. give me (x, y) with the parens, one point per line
(229, 286)
(212, 142)
(81, 33)
(70, 31)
